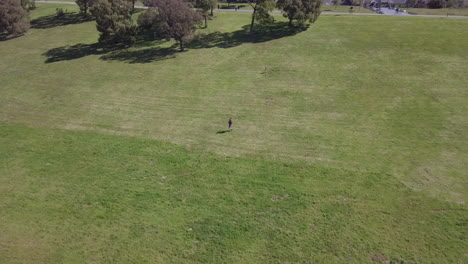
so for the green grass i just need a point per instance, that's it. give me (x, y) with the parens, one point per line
(114, 157)
(78, 197)
(439, 11)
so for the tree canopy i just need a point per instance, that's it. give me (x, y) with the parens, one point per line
(14, 18)
(173, 19)
(114, 22)
(261, 9)
(300, 10)
(205, 6)
(84, 5)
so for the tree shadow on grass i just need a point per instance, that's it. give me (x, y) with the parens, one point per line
(146, 38)
(262, 33)
(151, 54)
(125, 55)
(141, 55)
(73, 52)
(54, 21)
(4, 36)
(146, 49)
(77, 51)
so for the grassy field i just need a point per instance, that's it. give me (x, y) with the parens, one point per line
(440, 11)
(85, 197)
(352, 147)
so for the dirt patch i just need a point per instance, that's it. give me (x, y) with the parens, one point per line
(380, 258)
(343, 198)
(277, 197)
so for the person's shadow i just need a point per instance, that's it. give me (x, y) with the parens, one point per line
(223, 131)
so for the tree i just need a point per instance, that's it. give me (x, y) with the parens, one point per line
(13, 18)
(204, 6)
(133, 5)
(84, 6)
(359, 3)
(174, 19)
(300, 10)
(336, 3)
(150, 19)
(454, 3)
(261, 9)
(292, 9)
(28, 4)
(213, 4)
(312, 9)
(114, 22)
(435, 3)
(412, 3)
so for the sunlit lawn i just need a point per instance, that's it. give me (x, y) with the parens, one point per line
(352, 147)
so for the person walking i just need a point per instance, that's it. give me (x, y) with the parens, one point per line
(230, 124)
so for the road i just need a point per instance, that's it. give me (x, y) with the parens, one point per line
(388, 12)
(391, 12)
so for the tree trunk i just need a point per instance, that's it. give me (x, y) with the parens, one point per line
(212, 14)
(85, 13)
(133, 6)
(181, 43)
(253, 19)
(290, 22)
(206, 21)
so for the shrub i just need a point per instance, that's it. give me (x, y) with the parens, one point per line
(59, 12)
(13, 18)
(435, 4)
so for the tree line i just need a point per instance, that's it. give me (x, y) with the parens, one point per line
(178, 19)
(169, 19)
